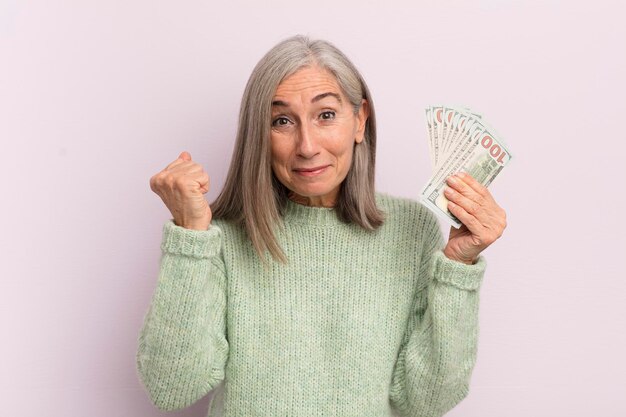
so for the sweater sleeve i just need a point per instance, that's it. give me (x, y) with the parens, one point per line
(434, 365)
(182, 346)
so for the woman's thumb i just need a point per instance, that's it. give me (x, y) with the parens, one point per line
(185, 156)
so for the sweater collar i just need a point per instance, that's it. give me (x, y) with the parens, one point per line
(318, 216)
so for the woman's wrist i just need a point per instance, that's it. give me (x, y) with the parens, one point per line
(460, 259)
(194, 226)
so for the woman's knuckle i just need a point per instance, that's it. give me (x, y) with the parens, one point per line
(169, 181)
(156, 180)
(179, 179)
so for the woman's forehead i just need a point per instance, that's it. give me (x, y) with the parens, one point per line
(309, 80)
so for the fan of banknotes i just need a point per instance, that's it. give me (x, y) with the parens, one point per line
(460, 140)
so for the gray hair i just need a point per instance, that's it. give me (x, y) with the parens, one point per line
(252, 195)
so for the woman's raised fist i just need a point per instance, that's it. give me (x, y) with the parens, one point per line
(181, 186)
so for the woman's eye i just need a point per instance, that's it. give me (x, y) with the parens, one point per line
(280, 121)
(327, 115)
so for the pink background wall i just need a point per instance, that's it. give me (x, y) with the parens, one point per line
(97, 96)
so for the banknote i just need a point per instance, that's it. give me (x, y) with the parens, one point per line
(444, 123)
(460, 140)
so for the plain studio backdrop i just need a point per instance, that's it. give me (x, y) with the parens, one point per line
(97, 96)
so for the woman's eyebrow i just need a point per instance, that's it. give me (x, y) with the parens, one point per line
(280, 103)
(324, 95)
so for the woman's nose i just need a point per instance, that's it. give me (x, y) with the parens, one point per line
(307, 144)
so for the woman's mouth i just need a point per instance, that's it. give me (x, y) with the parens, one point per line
(310, 172)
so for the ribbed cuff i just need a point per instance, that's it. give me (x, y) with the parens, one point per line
(467, 277)
(195, 243)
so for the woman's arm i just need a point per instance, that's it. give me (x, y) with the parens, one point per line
(434, 366)
(182, 347)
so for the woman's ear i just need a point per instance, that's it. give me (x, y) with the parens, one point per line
(361, 118)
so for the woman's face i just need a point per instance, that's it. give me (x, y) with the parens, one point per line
(314, 130)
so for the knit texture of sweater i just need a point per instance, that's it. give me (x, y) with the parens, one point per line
(357, 323)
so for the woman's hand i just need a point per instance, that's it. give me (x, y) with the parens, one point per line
(181, 186)
(483, 220)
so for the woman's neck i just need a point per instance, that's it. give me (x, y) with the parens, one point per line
(311, 201)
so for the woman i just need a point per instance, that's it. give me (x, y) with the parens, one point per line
(301, 291)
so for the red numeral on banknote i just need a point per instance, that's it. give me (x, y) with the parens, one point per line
(494, 149)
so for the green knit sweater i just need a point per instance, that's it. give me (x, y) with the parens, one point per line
(358, 323)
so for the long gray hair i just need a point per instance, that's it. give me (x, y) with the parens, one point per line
(252, 195)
